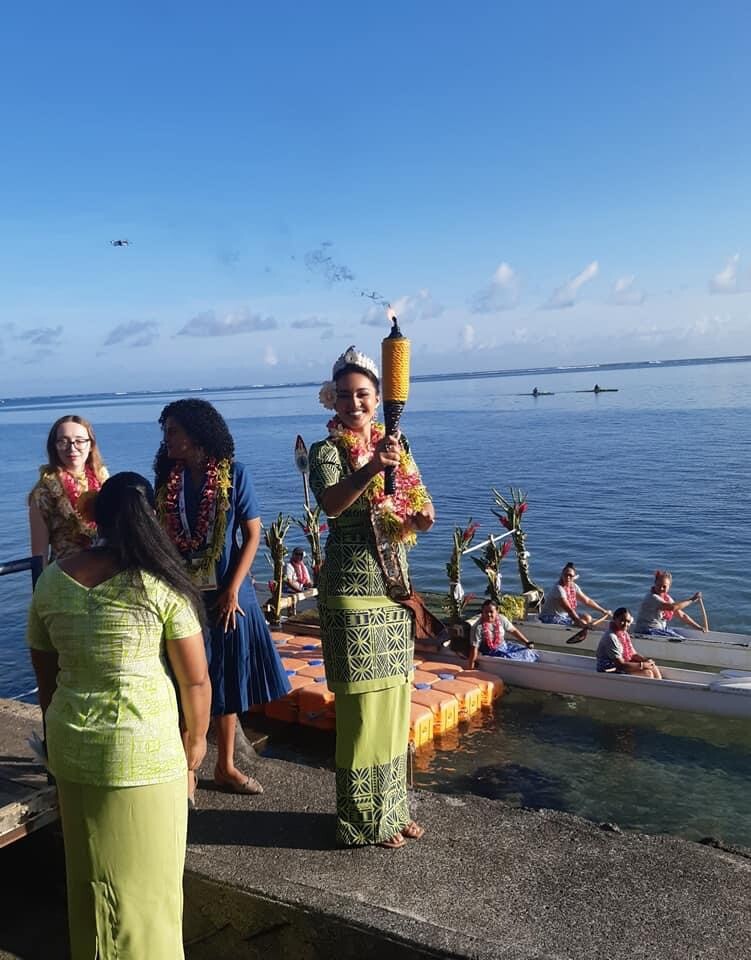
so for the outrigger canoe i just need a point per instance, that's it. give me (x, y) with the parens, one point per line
(727, 693)
(728, 651)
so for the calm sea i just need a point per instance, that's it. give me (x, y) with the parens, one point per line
(654, 475)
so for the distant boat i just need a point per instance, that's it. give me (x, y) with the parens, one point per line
(538, 393)
(598, 389)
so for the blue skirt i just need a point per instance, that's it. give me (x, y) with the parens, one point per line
(512, 651)
(244, 665)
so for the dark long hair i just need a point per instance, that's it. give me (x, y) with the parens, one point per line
(205, 426)
(355, 368)
(124, 513)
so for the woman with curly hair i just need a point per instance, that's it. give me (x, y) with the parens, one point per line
(74, 469)
(205, 498)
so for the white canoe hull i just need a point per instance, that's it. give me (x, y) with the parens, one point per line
(723, 651)
(725, 694)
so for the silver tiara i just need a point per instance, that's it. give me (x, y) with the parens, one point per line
(353, 356)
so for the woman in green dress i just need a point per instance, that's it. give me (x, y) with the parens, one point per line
(108, 627)
(367, 634)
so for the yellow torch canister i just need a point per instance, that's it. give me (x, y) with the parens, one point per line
(394, 385)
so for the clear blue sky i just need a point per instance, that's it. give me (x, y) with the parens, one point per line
(527, 183)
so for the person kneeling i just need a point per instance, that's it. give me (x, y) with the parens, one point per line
(616, 653)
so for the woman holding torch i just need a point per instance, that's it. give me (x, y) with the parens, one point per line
(367, 633)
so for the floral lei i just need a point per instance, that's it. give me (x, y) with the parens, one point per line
(493, 635)
(72, 501)
(391, 513)
(77, 497)
(211, 522)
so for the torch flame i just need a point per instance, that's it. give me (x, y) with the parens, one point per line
(390, 313)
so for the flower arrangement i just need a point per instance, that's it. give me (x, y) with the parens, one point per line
(456, 599)
(274, 536)
(510, 516)
(211, 522)
(312, 527)
(391, 512)
(489, 562)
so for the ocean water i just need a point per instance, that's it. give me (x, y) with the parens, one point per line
(654, 475)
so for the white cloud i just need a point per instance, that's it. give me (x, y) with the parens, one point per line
(625, 294)
(133, 333)
(726, 280)
(467, 337)
(565, 296)
(269, 356)
(311, 323)
(502, 293)
(410, 308)
(207, 324)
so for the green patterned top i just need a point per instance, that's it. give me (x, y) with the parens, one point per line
(113, 718)
(366, 637)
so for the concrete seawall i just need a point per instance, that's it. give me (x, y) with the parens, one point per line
(487, 880)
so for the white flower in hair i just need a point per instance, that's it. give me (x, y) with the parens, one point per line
(327, 394)
(353, 356)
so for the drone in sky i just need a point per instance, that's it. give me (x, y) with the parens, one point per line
(120, 243)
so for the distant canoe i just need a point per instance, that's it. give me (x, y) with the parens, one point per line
(599, 390)
(540, 393)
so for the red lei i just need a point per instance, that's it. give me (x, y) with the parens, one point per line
(493, 635)
(73, 490)
(626, 645)
(570, 592)
(666, 598)
(185, 541)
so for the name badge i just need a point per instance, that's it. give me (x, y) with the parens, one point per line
(204, 579)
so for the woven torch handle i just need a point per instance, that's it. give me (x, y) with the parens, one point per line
(392, 413)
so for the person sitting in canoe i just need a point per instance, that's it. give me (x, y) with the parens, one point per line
(561, 602)
(658, 608)
(616, 653)
(489, 638)
(297, 577)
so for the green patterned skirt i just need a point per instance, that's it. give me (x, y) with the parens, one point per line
(367, 647)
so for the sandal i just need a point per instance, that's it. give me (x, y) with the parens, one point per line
(413, 831)
(249, 786)
(394, 843)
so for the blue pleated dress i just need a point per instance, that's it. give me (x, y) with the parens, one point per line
(244, 664)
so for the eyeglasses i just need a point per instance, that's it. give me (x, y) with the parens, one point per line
(79, 443)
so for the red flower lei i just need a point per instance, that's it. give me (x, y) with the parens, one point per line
(493, 634)
(72, 488)
(391, 512)
(184, 542)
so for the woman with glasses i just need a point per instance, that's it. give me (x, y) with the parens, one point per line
(74, 470)
(616, 653)
(562, 601)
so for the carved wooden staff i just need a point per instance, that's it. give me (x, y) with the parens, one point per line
(394, 386)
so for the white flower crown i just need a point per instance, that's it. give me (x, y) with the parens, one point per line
(327, 393)
(353, 356)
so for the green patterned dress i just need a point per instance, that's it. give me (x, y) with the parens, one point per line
(368, 649)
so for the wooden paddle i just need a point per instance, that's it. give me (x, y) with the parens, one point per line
(581, 634)
(704, 614)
